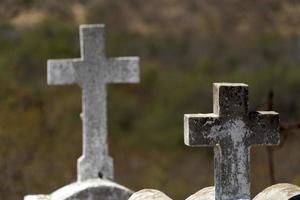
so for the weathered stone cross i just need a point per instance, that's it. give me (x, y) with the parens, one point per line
(232, 131)
(92, 72)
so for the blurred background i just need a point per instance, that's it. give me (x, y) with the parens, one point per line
(184, 47)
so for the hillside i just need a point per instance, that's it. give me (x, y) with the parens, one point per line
(184, 47)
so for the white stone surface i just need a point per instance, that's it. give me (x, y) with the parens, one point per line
(92, 189)
(282, 191)
(207, 193)
(37, 197)
(149, 194)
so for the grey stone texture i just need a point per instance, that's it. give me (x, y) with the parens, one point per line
(282, 191)
(92, 189)
(207, 193)
(231, 130)
(92, 72)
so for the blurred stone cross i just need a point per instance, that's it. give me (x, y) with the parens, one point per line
(92, 72)
(232, 131)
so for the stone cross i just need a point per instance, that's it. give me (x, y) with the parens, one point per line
(232, 131)
(92, 72)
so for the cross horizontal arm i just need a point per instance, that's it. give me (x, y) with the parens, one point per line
(61, 71)
(265, 128)
(201, 129)
(124, 70)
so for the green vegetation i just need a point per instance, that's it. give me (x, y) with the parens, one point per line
(184, 48)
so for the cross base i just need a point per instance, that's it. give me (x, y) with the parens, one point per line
(91, 189)
(95, 168)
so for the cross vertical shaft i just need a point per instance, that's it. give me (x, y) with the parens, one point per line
(231, 178)
(95, 158)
